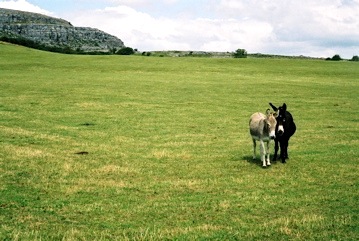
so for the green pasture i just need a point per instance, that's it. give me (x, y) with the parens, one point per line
(151, 148)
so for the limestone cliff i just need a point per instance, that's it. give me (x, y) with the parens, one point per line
(55, 33)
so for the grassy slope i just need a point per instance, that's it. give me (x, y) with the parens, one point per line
(169, 149)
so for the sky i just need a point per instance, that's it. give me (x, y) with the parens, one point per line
(316, 28)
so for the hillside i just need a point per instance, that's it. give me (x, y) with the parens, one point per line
(44, 32)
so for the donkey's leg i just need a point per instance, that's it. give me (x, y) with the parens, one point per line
(268, 154)
(286, 149)
(254, 149)
(263, 153)
(276, 147)
(283, 150)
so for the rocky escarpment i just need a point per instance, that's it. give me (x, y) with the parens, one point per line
(54, 33)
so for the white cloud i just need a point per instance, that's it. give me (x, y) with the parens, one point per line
(23, 5)
(141, 30)
(321, 27)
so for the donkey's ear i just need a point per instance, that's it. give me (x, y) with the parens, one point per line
(284, 107)
(268, 112)
(273, 107)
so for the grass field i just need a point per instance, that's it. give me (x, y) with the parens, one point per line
(150, 148)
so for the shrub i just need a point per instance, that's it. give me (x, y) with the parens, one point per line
(355, 58)
(126, 51)
(335, 58)
(146, 53)
(240, 53)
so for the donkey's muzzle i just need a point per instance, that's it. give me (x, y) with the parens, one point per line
(280, 131)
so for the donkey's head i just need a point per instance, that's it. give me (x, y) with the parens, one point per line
(280, 118)
(271, 123)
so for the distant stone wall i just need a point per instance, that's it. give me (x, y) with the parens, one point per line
(54, 32)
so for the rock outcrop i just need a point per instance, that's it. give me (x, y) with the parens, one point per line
(55, 33)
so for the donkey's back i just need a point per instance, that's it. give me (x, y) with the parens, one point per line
(257, 126)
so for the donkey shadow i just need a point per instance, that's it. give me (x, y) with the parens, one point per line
(258, 160)
(252, 161)
(249, 159)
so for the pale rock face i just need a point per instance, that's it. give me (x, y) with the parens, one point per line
(54, 32)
